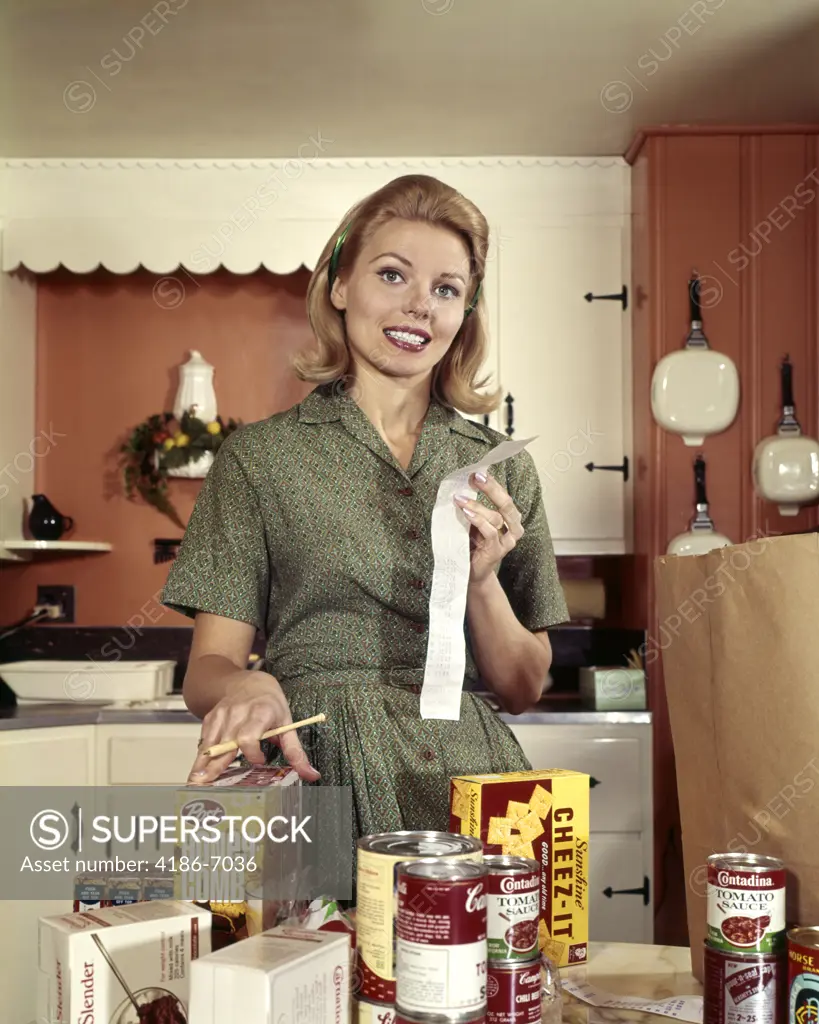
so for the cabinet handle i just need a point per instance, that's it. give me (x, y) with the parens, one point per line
(643, 891)
(623, 468)
(486, 419)
(510, 415)
(593, 782)
(621, 297)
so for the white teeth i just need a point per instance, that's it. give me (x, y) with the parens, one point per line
(406, 337)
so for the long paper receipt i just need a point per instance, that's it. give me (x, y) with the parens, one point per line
(679, 1007)
(446, 652)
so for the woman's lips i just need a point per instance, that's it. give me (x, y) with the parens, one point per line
(409, 341)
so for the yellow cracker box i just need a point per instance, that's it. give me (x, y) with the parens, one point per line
(543, 815)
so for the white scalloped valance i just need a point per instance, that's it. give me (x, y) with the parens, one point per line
(245, 214)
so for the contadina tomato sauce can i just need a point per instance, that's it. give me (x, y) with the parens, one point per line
(514, 992)
(746, 903)
(743, 988)
(441, 937)
(406, 1017)
(803, 976)
(378, 857)
(512, 908)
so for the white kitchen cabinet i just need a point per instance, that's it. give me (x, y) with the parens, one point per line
(141, 754)
(565, 363)
(617, 756)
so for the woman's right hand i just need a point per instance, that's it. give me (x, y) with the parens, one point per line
(254, 703)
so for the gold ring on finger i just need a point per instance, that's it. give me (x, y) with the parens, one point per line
(503, 529)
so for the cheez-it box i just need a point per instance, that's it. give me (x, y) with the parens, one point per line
(543, 815)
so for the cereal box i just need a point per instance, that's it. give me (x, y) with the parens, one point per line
(543, 815)
(151, 945)
(238, 806)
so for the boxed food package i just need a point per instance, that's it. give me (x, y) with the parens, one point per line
(229, 875)
(285, 974)
(543, 815)
(151, 945)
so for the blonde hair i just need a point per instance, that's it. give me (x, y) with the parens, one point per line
(414, 197)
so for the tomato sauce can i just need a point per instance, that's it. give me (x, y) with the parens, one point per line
(746, 903)
(514, 992)
(441, 937)
(377, 860)
(803, 976)
(743, 988)
(512, 908)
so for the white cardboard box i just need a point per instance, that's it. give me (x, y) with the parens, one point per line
(153, 945)
(283, 975)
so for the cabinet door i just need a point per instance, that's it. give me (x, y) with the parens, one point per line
(62, 756)
(563, 362)
(146, 755)
(620, 908)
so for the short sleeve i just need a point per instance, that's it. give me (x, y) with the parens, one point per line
(528, 574)
(223, 566)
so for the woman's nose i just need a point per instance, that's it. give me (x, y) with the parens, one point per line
(420, 304)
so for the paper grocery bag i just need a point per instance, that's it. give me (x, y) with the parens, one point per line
(739, 635)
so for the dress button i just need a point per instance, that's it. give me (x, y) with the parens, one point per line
(419, 627)
(418, 584)
(428, 755)
(405, 492)
(415, 688)
(413, 534)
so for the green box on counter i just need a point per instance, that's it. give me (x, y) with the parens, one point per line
(613, 688)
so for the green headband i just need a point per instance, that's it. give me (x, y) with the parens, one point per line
(333, 270)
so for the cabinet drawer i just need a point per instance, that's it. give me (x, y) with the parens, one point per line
(617, 865)
(616, 800)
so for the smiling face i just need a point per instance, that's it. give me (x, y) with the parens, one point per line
(404, 298)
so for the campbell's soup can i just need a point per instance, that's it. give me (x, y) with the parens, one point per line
(743, 988)
(803, 976)
(512, 907)
(441, 937)
(514, 992)
(365, 1012)
(746, 903)
(377, 861)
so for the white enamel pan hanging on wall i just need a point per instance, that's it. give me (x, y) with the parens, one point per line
(701, 535)
(695, 392)
(786, 464)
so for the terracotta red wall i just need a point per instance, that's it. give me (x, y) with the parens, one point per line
(698, 198)
(107, 357)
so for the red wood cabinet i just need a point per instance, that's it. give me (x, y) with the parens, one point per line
(741, 207)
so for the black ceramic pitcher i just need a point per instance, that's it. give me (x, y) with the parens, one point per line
(45, 522)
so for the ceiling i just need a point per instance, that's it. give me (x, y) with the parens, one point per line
(258, 78)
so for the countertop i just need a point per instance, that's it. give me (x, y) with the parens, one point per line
(42, 716)
(629, 970)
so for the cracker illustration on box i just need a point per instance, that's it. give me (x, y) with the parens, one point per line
(543, 815)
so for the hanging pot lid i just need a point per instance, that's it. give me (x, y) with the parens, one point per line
(695, 391)
(786, 464)
(701, 535)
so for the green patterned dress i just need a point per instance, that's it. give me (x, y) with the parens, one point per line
(307, 527)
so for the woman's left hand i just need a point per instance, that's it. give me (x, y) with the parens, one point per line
(495, 531)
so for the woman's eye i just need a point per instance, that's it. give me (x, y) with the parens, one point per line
(452, 293)
(389, 275)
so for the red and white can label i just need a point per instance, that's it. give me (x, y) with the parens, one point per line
(513, 994)
(512, 908)
(746, 910)
(740, 989)
(440, 944)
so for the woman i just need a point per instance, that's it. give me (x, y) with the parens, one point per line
(314, 526)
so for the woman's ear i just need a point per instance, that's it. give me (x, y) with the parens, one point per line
(338, 295)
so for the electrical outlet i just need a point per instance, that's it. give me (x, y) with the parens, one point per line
(63, 596)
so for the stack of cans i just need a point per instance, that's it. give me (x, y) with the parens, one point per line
(466, 942)
(745, 949)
